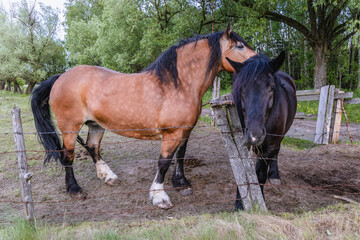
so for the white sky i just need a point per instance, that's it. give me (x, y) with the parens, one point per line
(59, 4)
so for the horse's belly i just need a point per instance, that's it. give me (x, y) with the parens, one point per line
(144, 134)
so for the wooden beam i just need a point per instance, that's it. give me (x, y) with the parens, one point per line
(352, 101)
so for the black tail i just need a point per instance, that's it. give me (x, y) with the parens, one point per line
(43, 123)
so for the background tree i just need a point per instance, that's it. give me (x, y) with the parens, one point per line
(30, 50)
(323, 27)
(322, 37)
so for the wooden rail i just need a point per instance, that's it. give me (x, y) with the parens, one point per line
(328, 120)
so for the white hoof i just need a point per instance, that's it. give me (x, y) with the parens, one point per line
(104, 173)
(159, 197)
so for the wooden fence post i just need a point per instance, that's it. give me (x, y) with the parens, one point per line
(240, 157)
(325, 110)
(336, 120)
(25, 176)
(215, 95)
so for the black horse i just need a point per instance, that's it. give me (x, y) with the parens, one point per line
(265, 99)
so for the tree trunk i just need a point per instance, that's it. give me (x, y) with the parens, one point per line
(30, 87)
(17, 88)
(359, 64)
(306, 67)
(8, 85)
(339, 69)
(350, 62)
(2, 84)
(321, 61)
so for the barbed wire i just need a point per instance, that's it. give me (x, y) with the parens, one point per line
(152, 129)
(329, 187)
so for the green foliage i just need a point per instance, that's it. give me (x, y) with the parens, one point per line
(28, 48)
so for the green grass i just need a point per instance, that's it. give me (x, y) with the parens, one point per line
(335, 222)
(308, 107)
(297, 144)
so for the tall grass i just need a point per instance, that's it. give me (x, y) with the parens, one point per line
(336, 222)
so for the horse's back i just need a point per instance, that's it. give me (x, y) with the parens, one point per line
(287, 98)
(120, 101)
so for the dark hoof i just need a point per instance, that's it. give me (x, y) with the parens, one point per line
(274, 181)
(186, 192)
(239, 206)
(78, 195)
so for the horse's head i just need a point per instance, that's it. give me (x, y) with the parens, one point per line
(235, 48)
(253, 91)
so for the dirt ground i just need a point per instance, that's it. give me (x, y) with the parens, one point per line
(310, 179)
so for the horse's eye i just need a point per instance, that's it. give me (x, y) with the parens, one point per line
(272, 88)
(240, 45)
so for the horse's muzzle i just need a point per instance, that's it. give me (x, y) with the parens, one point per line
(255, 138)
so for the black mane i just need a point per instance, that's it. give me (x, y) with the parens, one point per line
(252, 69)
(165, 65)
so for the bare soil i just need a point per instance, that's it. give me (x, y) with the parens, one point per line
(310, 179)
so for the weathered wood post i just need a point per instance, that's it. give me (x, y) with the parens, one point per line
(336, 120)
(215, 95)
(240, 157)
(325, 110)
(21, 156)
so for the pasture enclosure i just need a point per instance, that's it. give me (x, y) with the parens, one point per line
(310, 179)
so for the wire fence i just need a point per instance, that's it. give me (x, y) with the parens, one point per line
(333, 188)
(296, 135)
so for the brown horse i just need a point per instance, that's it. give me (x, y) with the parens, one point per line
(161, 103)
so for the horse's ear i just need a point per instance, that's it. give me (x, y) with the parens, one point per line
(236, 65)
(228, 30)
(276, 63)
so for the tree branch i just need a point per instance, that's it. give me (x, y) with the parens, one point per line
(342, 41)
(312, 16)
(289, 21)
(333, 15)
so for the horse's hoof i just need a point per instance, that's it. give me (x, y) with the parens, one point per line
(186, 191)
(79, 195)
(160, 199)
(112, 181)
(274, 181)
(164, 205)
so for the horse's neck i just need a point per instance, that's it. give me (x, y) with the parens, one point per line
(192, 67)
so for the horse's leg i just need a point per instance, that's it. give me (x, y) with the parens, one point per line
(95, 134)
(261, 172)
(178, 178)
(238, 202)
(157, 194)
(75, 191)
(273, 174)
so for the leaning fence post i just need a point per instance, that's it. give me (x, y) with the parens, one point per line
(21, 156)
(240, 157)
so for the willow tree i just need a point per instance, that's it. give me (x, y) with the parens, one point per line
(34, 41)
(327, 25)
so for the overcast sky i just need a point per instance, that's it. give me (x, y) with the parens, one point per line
(53, 3)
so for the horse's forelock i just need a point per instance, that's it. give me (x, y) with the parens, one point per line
(253, 68)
